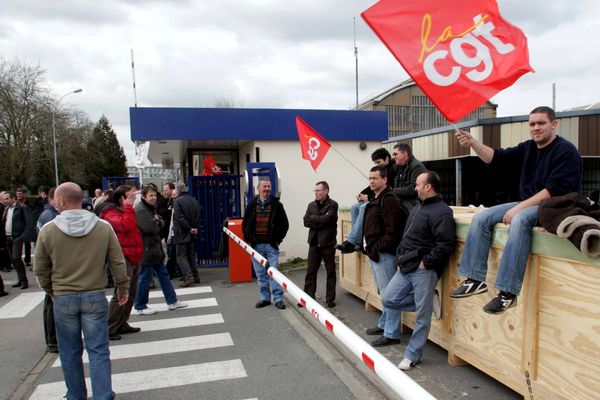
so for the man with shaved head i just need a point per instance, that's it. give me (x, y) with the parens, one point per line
(69, 264)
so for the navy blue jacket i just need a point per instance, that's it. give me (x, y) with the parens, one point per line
(557, 167)
(429, 236)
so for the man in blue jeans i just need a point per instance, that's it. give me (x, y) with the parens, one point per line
(69, 264)
(383, 226)
(265, 225)
(428, 241)
(550, 166)
(150, 225)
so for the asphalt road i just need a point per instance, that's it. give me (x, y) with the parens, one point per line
(221, 347)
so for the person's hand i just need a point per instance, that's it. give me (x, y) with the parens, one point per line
(194, 231)
(122, 297)
(130, 199)
(510, 215)
(362, 197)
(421, 265)
(464, 138)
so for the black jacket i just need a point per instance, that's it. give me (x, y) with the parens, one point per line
(321, 219)
(278, 223)
(186, 215)
(406, 180)
(392, 171)
(22, 223)
(149, 223)
(429, 236)
(383, 224)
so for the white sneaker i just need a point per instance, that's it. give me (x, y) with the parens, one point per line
(437, 305)
(406, 364)
(145, 311)
(177, 304)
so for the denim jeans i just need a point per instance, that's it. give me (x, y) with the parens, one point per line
(87, 312)
(264, 281)
(357, 215)
(141, 297)
(383, 271)
(413, 292)
(511, 270)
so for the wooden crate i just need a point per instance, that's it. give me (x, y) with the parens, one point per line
(547, 345)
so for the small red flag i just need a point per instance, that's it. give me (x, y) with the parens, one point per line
(459, 52)
(314, 146)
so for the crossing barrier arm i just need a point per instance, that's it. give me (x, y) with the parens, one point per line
(397, 380)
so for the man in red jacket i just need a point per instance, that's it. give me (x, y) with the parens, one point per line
(119, 213)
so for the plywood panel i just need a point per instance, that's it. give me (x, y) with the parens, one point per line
(552, 334)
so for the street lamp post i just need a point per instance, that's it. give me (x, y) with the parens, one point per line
(54, 132)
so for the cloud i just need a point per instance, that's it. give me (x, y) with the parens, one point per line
(263, 53)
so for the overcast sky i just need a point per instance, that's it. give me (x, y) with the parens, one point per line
(265, 53)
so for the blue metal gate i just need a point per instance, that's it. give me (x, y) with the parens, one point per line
(113, 182)
(219, 199)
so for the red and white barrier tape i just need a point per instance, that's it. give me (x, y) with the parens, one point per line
(397, 380)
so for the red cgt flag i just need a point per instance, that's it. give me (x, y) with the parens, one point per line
(314, 146)
(459, 52)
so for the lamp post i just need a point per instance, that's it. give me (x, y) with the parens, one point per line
(54, 132)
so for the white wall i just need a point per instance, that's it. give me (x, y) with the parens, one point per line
(298, 180)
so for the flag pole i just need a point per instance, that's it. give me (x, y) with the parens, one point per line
(349, 162)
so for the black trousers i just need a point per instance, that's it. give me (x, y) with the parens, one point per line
(49, 327)
(119, 315)
(15, 249)
(315, 256)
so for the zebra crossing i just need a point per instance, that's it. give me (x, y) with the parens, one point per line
(199, 314)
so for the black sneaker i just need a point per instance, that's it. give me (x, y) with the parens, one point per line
(346, 247)
(468, 288)
(262, 303)
(374, 331)
(500, 303)
(330, 303)
(384, 341)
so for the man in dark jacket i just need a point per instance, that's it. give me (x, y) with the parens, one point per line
(18, 227)
(265, 225)
(50, 212)
(321, 219)
(383, 225)
(406, 178)
(186, 221)
(427, 243)
(353, 243)
(150, 223)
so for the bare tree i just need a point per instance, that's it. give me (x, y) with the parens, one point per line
(24, 113)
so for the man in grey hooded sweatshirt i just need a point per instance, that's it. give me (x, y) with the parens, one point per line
(69, 264)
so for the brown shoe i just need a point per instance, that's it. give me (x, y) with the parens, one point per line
(196, 279)
(187, 282)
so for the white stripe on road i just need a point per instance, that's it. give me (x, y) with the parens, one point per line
(155, 378)
(164, 347)
(21, 305)
(198, 303)
(182, 291)
(184, 322)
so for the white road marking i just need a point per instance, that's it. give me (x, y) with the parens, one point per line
(164, 347)
(183, 322)
(182, 291)
(198, 303)
(21, 305)
(155, 378)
